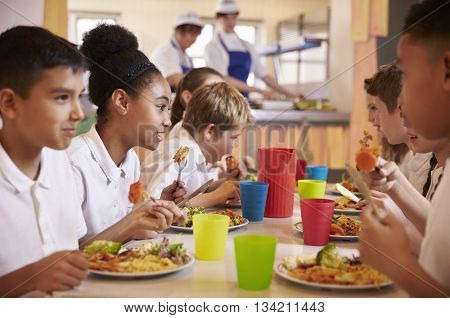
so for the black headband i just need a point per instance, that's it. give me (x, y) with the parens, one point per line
(137, 70)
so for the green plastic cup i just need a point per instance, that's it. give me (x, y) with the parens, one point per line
(311, 189)
(210, 236)
(255, 255)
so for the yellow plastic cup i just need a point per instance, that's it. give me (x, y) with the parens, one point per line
(311, 189)
(210, 236)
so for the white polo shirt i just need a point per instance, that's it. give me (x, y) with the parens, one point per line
(435, 251)
(168, 59)
(37, 218)
(217, 58)
(417, 167)
(159, 170)
(102, 186)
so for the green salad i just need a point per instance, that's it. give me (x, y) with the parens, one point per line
(190, 212)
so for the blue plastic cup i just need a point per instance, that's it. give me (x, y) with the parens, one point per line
(253, 200)
(317, 173)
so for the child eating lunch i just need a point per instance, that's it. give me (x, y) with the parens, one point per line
(133, 101)
(211, 125)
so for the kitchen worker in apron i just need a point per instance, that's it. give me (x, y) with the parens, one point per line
(235, 58)
(171, 58)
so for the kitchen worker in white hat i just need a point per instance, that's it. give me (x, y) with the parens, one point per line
(235, 58)
(171, 58)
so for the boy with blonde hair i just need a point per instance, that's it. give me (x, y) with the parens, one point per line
(211, 126)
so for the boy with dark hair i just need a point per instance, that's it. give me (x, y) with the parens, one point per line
(424, 59)
(40, 84)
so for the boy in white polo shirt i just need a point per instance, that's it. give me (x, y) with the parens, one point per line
(424, 58)
(41, 222)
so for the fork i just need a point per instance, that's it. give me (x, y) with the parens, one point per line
(181, 166)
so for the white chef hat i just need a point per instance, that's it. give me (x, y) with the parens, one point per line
(227, 7)
(188, 17)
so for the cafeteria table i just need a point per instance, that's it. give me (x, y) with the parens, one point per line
(218, 278)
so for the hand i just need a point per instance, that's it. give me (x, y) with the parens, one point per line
(169, 193)
(384, 244)
(59, 271)
(385, 178)
(385, 202)
(234, 175)
(228, 190)
(267, 94)
(155, 216)
(144, 235)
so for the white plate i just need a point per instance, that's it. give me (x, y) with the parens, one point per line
(190, 230)
(281, 271)
(145, 274)
(347, 211)
(299, 228)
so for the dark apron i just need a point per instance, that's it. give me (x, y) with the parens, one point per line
(184, 68)
(239, 65)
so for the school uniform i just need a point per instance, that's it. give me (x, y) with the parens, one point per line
(416, 168)
(231, 56)
(102, 186)
(159, 170)
(435, 251)
(38, 217)
(170, 59)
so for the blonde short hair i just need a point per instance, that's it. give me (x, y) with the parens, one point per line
(219, 104)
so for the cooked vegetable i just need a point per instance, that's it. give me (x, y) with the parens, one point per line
(190, 212)
(336, 230)
(103, 246)
(137, 193)
(329, 257)
(366, 158)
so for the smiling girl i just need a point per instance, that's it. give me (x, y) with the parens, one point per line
(133, 102)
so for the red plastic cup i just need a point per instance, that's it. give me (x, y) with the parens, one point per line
(300, 169)
(316, 218)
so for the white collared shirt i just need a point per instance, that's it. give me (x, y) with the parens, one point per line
(169, 59)
(102, 186)
(435, 251)
(217, 58)
(159, 170)
(416, 168)
(37, 218)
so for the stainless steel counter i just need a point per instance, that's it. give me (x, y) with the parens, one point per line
(266, 116)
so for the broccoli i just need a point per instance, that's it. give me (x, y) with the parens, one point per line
(329, 257)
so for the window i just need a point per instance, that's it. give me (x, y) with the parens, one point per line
(82, 22)
(247, 30)
(310, 65)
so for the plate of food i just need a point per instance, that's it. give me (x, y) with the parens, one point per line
(236, 220)
(343, 228)
(344, 205)
(151, 259)
(329, 270)
(230, 204)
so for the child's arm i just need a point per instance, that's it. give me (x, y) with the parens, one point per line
(152, 216)
(227, 191)
(59, 271)
(384, 245)
(390, 180)
(169, 193)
